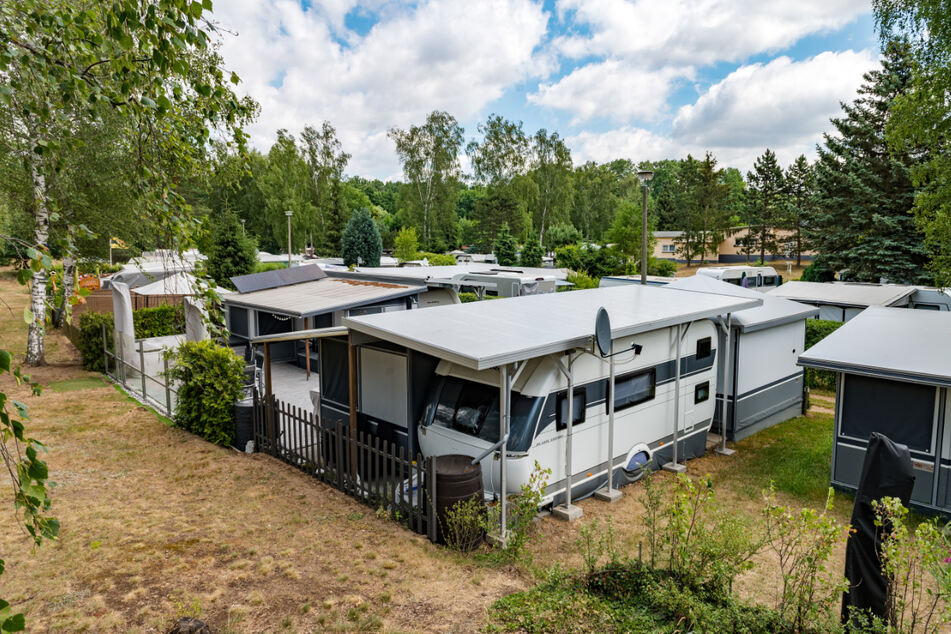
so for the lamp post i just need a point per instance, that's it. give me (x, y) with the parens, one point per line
(289, 213)
(244, 231)
(644, 176)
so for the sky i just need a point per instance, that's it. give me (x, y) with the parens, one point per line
(636, 79)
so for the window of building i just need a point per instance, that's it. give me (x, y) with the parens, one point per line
(668, 248)
(701, 392)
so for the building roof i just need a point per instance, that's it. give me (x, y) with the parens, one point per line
(850, 294)
(894, 343)
(487, 334)
(426, 273)
(775, 311)
(325, 295)
(668, 234)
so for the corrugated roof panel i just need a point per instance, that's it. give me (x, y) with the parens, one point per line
(899, 343)
(490, 333)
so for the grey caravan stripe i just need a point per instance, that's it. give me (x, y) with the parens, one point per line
(768, 385)
(578, 478)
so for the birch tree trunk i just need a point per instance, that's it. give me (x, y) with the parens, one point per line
(61, 315)
(36, 341)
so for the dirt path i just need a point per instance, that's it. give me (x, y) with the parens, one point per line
(157, 523)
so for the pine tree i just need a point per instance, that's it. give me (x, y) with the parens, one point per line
(765, 203)
(232, 252)
(531, 255)
(800, 197)
(361, 240)
(863, 224)
(505, 247)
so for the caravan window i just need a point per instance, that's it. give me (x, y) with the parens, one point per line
(769, 280)
(704, 348)
(633, 389)
(578, 414)
(473, 408)
(701, 392)
(902, 411)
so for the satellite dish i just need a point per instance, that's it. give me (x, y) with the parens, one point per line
(602, 332)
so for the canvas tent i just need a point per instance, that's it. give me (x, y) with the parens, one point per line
(893, 378)
(764, 386)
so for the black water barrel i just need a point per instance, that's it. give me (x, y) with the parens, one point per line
(243, 423)
(457, 479)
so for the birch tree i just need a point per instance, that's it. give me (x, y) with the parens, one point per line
(327, 161)
(551, 171)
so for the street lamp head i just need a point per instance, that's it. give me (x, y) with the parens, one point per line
(645, 175)
(288, 213)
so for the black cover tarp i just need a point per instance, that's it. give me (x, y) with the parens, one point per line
(886, 472)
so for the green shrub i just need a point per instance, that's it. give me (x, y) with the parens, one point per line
(439, 259)
(596, 262)
(662, 267)
(90, 339)
(159, 321)
(465, 298)
(531, 255)
(815, 272)
(816, 331)
(464, 525)
(209, 382)
(581, 281)
(261, 267)
(406, 245)
(97, 267)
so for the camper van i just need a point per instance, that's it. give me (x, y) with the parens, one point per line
(760, 278)
(526, 350)
(462, 414)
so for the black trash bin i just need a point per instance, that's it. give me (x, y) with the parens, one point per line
(243, 423)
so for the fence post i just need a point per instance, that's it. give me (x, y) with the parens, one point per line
(272, 424)
(433, 528)
(168, 389)
(105, 351)
(142, 369)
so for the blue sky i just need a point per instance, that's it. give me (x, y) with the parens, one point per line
(616, 78)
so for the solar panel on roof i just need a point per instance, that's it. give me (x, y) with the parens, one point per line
(277, 279)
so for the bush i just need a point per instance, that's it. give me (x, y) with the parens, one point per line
(662, 267)
(596, 262)
(159, 321)
(261, 267)
(581, 281)
(815, 272)
(97, 267)
(505, 248)
(406, 245)
(439, 259)
(531, 255)
(209, 382)
(816, 331)
(464, 525)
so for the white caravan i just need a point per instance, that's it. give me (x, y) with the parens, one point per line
(760, 278)
(506, 367)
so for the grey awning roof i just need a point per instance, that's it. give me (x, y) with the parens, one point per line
(775, 311)
(321, 296)
(896, 343)
(491, 333)
(848, 294)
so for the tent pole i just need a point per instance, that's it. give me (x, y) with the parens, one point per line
(568, 511)
(611, 494)
(505, 392)
(729, 368)
(674, 465)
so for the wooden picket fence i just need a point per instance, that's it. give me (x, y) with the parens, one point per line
(373, 471)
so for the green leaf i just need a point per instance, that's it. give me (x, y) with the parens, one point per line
(24, 275)
(16, 623)
(147, 102)
(125, 41)
(27, 315)
(195, 9)
(5, 367)
(206, 4)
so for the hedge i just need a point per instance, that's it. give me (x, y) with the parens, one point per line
(159, 321)
(816, 331)
(209, 382)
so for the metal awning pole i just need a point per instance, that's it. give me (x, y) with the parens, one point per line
(567, 511)
(504, 396)
(674, 465)
(728, 369)
(611, 494)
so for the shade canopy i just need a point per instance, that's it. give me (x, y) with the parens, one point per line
(892, 343)
(851, 294)
(775, 311)
(490, 333)
(325, 295)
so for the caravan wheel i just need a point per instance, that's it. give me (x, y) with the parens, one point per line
(637, 464)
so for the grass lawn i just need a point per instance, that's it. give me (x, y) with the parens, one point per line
(157, 523)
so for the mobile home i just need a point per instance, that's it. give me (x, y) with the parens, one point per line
(761, 278)
(523, 374)
(764, 385)
(841, 301)
(894, 378)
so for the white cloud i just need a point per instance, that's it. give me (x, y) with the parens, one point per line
(773, 104)
(614, 88)
(783, 105)
(697, 32)
(450, 55)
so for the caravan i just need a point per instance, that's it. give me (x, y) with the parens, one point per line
(760, 278)
(519, 381)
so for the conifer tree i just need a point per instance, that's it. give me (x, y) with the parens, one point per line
(505, 247)
(361, 241)
(863, 224)
(800, 197)
(765, 203)
(232, 251)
